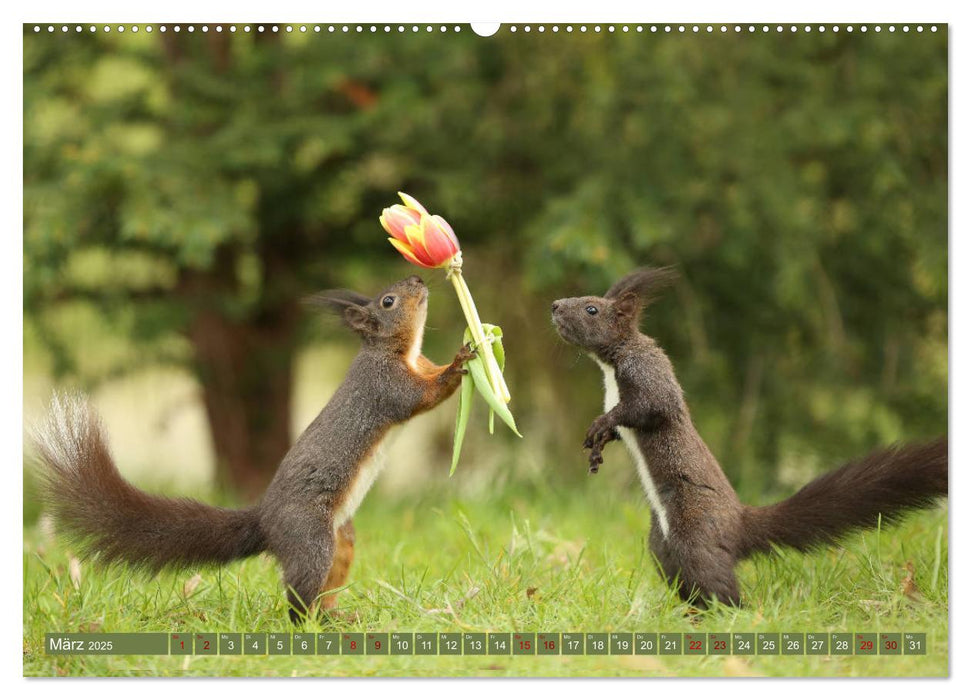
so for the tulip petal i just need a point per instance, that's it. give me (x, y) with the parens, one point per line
(447, 230)
(416, 242)
(394, 219)
(412, 203)
(438, 246)
(407, 253)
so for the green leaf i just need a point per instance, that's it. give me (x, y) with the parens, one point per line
(477, 370)
(461, 419)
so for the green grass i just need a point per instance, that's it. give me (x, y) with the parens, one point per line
(533, 560)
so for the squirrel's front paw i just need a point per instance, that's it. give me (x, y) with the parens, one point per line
(464, 354)
(600, 433)
(596, 459)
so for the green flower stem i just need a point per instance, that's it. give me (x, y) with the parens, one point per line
(484, 347)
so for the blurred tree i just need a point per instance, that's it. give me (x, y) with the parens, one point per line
(200, 184)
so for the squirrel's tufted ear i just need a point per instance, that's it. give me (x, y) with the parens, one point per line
(361, 319)
(628, 305)
(350, 306)
(645, 284)
(335, 300)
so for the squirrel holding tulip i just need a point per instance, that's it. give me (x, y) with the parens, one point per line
(699, 528)
(305, 516)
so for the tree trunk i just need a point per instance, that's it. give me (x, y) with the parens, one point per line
(244, 362)
(246, 371)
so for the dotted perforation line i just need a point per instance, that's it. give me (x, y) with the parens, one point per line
(249, 28)
(722, 28)
(414, 28)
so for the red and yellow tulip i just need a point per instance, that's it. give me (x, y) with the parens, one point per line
(422, 239)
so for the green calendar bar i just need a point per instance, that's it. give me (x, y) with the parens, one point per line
(378, 643)
(915, 643)
(278, 644)
(304, 644)
(500, 643)
(402, 643)
(883, 644)
(180, 643)
(328, 643)
(548, 643)
(206, 644)
(817, 643)
(621, 643)
(571, 644)
(426, 643)
(524, 644)
(146, 643)
(474, 644)
(645, 643)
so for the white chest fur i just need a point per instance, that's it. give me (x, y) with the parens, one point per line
(611, 399)
(359, 487)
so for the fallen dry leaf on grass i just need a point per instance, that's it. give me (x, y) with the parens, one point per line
(530, 592)
(191, 585)
(453, 608)
(908, 587)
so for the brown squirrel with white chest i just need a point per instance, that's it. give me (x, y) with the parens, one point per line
(304, 518)
(699, 528)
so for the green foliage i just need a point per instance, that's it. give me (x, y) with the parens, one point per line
(799, 182)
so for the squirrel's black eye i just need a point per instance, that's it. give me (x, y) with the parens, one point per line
(592, 310)
(387, 302)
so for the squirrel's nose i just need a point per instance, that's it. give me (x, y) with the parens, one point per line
(554, 306)
(415, 279)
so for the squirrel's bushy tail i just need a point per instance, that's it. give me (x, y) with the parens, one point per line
(106, 516)
(883, 485)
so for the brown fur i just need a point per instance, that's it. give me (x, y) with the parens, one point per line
(709, 529)
(341, 567)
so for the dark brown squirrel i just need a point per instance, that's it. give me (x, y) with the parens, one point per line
(699, 528)
(304, 517)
